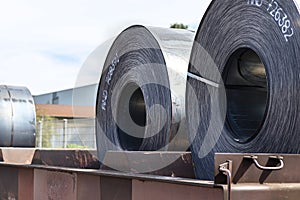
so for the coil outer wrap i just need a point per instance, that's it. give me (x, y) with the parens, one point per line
(261, 26)
(140, 100)
(17, 117)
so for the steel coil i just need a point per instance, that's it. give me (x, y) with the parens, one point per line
(254, 45)
(17, 117)
(141, 93)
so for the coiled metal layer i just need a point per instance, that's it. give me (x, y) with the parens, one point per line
(140, 101)
(17, 117)
(250, 48)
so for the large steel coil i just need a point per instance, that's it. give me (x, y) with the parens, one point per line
(141, 93)
(17, 117)
(253, 47)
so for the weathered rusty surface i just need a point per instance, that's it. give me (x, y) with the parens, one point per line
(9, 183)
(17, 155)
(115, 188)
(245, 171)
(75, 158)
(52, 185)
(252, 191)
(66, 158)
(88, 187)
(25, 184)
(181, 162)
(149, 190)
(42, 182)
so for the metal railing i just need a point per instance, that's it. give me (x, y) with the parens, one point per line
(66, 133)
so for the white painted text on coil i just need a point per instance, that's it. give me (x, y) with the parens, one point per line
(104, 99)
(108, 78)
(278, 14)
(255, 2)
(111, 69)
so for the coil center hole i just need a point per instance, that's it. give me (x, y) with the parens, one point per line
(131, 117)
(245, 82)
(137, 108)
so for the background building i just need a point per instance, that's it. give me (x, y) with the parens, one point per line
(66, 118)
(85, 96)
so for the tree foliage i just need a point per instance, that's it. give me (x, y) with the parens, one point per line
(179, 26)
(47, 126)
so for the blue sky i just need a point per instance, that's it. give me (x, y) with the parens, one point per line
(43, 44)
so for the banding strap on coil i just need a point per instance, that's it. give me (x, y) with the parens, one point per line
(203, 80)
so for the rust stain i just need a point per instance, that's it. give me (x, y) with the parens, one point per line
(67, 158)
(60, 185)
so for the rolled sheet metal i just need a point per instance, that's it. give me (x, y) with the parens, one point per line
(250, 50)
(17, 117)
(141, 93)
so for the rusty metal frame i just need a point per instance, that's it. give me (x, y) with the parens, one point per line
(258, 176)
(106, 184)
(260, 168)
(226, 168)
(35, 181)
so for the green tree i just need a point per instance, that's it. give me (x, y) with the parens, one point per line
(179, 26)
(48, 124)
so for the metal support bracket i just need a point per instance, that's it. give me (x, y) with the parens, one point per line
(226, 169)
(259, 166)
